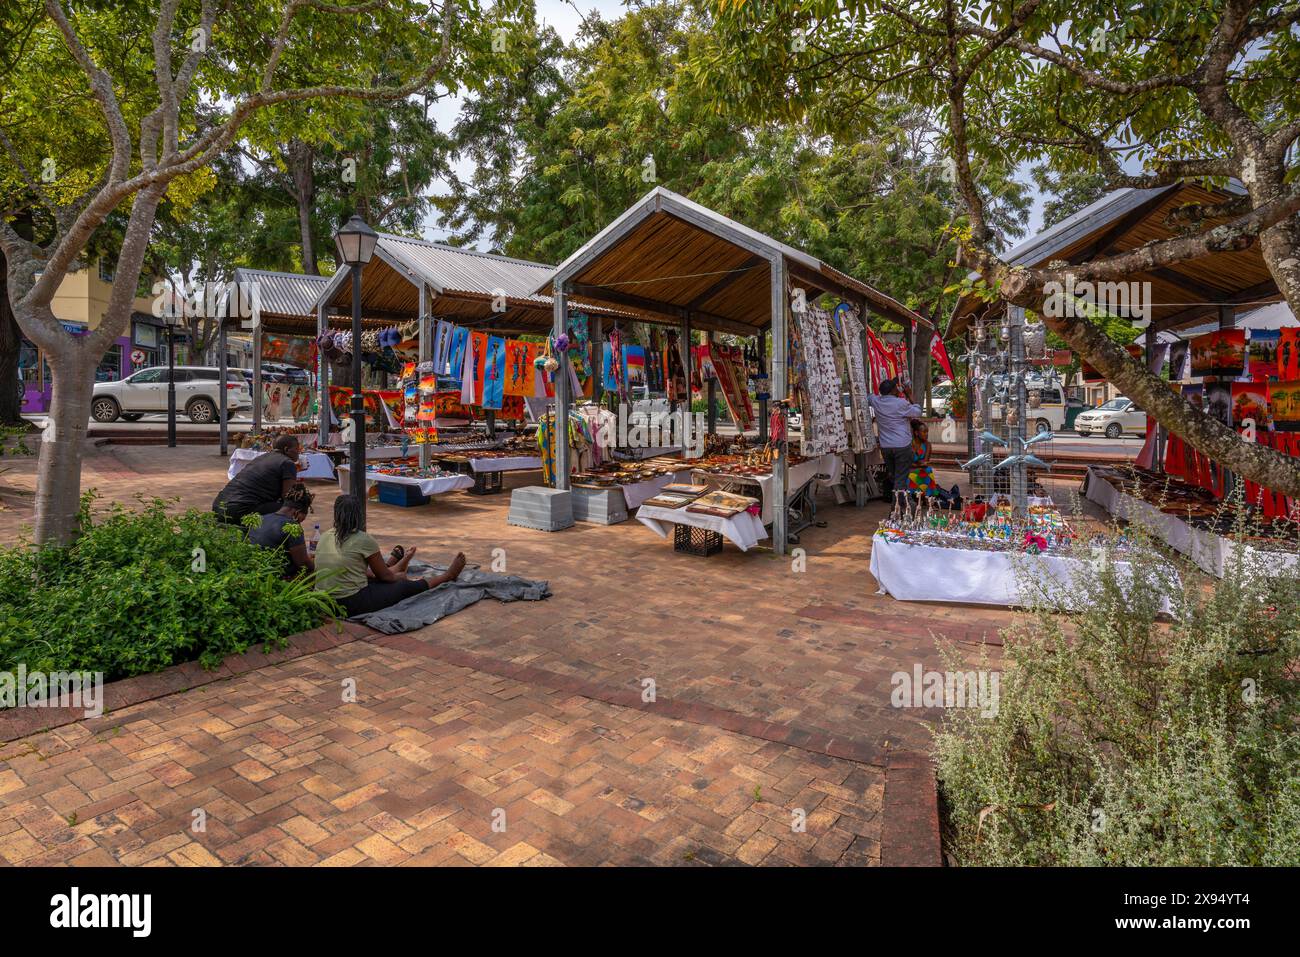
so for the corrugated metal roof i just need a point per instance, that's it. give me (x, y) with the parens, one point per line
(285, 293)
(467, 270)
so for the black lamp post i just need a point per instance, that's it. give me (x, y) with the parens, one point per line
(356, 244)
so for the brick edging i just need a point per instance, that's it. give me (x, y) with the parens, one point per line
(910, 816)
(20, 722)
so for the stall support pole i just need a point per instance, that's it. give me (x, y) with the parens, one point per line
(777, 376)
(322, 381)
(595, 332)
(712, 396)
(426, 355)
(762, 403)
(1019, 471)
(559, 316)
(222, 392)
(257, 376)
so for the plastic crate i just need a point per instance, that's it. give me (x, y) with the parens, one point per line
(690, 540)
(401, 495)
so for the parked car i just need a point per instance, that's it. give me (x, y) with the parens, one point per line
(145, 392)
(1112, 419)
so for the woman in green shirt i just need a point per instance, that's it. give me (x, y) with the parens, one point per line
(349, 567)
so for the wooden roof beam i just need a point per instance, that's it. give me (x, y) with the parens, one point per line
(701, 320)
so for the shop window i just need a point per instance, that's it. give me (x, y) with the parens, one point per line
(110, 367)
(105, 269)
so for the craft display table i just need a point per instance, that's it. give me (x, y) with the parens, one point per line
(743, 530)
(911, 572)
(799, 475)
(1210, 551)
(426, 486)
(486, 473)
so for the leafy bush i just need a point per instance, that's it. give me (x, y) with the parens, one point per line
(1124, 738)
(126, 598)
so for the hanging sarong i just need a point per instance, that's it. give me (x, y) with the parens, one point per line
(456, 354)
(442, 346)
(494, 373)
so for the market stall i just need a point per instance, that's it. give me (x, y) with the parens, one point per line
(670, 262)
(1189, 521)
(425, 483)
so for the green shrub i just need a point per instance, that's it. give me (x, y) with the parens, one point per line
(127, 597)
(1123, 738)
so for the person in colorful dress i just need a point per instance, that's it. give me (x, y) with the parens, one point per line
(921, 480)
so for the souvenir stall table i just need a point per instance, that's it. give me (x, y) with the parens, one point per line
(743, 530)
(424, 486)
(985, 559)
(319, 465)
(1185, 521)
(799, 475)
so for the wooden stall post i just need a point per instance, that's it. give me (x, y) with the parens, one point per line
(712, 394)
(426, 354)
(257, 375)
(222, 391)
(559, 317)
(322, 380)
(777, 376)
(763, 403)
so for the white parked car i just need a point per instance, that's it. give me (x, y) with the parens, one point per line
(1112, 419)
(145, 392)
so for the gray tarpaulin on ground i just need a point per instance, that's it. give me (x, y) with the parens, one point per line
(449, 598)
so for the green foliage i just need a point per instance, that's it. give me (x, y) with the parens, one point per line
(1121, 739)
(127, 597)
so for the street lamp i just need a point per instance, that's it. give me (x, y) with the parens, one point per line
(356, 242)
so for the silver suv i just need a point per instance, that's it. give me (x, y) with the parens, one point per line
(145, 393)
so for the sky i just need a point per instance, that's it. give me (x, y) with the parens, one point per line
(566, 18)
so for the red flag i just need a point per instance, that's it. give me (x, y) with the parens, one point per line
(940, 355)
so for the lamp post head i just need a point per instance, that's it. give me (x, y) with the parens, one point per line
(355, 242)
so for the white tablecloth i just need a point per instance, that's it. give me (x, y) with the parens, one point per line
(743, 530)
(830, 464)
(427, 486)
(638, 492)
(319, 465)
(932, 573)
(512, 464)
(1211, 552)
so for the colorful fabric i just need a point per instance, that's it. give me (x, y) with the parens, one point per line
(442, 346)
(456, 353)
(520, 372)
(1288, 354)
(494, 375)
(473, 369)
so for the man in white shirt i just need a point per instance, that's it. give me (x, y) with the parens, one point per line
(893, 413)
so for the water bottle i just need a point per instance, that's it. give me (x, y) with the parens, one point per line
(314, 540)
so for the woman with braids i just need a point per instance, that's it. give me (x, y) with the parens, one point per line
(349, 567)
(282, 529)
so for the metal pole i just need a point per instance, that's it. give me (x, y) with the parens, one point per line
(426, 355)
(357, 459)
(777, 376)
(257, 377)
(171, 385)
(1019, 471)
(322, 382)
(712, 393)
(222, 391)
(559, 318)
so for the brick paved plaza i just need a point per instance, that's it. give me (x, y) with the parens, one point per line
(772, 702)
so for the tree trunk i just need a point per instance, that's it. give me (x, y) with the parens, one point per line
(11, 338)
(58, 473)
(301, 165)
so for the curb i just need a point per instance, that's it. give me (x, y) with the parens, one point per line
(910, 815)
(20, 722)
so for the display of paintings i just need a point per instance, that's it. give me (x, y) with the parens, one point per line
(1194, 393)
(1263, 354)
(1221, 353)
(1250, 402)
(1218, 401)
(1179, 353)
(1286, 405)
(1288, 354)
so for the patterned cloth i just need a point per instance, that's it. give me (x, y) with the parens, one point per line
(820, 385)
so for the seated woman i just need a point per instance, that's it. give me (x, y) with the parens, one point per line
(271, 533)
(349, 567)
(921, 480)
